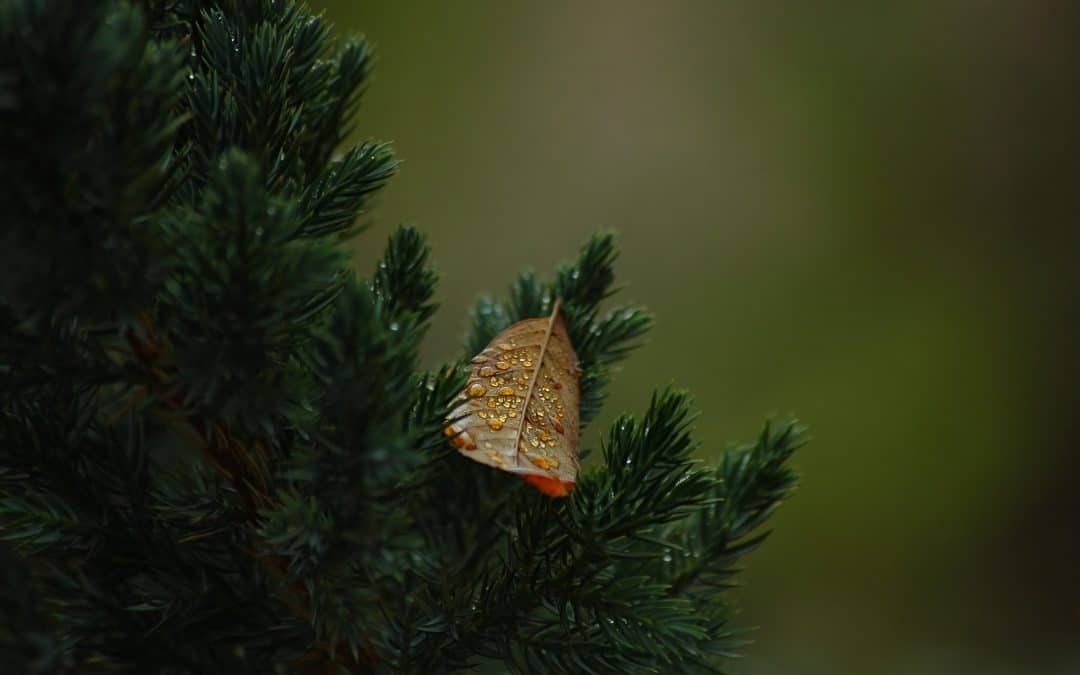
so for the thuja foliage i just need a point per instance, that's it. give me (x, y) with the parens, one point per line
(218, 452)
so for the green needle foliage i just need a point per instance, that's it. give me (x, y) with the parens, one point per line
(218, 453)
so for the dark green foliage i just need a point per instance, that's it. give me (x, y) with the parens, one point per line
(89, 107)
(217, 452)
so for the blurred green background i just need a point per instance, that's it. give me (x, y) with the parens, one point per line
(862, 213)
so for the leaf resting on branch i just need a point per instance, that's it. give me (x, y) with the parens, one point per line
(519, 411)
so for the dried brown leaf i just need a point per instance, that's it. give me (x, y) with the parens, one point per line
(520, 410)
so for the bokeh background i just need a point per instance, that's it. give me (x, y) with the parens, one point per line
(862, 213)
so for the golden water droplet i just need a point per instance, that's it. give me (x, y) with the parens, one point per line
(487, 371)
(502, 365)
(528, 364)
(477, 390)
(544, 462)
(482, 414)
(487, 445)
(492, 403)
(505, 346)
(512, 413)
(506, 391)
(495, 424)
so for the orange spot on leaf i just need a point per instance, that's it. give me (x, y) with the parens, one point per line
(552, 487)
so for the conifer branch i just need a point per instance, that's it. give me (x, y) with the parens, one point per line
(218, 452)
